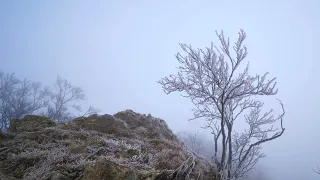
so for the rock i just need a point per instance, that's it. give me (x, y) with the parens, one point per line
(30, 123)
(105, 124)
(146, 125)
(107, 170)
(58, 176)
(131, 118)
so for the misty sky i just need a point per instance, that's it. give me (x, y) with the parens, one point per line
(117, 50)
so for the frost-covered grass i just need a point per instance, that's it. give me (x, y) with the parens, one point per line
(67, 150)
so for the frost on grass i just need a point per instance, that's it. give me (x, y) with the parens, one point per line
(78, 149)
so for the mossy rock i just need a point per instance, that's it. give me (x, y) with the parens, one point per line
(162, 144)
(37, 137)
(154, 175)
(132, 120)
(132, 152)
(54, 175)
(129, 153)
(105, 124)
(30, 123)
(77, 148)
(106, 170)
(157, 142)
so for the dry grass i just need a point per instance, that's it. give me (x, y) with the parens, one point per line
(75, 150)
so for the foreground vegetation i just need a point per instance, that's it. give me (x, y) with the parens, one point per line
(124, 146)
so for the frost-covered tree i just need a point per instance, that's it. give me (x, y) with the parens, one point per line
(64, 99)
(19, 98)
(223, 93)
(194, 141)
(22, 97)
(317, 170)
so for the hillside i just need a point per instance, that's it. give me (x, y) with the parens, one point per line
(124, 146)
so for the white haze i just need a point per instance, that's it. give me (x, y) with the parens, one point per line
(117, 50)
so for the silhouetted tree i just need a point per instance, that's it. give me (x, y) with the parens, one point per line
(220, 94)
(316, 170)
(62, 99)
(21, 97)
(193, 141)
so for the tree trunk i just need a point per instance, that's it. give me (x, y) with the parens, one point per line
(223, 156)
(230, 151)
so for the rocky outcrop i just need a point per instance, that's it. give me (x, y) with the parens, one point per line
(30, 123)
(124, 146)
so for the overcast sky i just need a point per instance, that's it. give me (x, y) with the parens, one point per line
(117, 50)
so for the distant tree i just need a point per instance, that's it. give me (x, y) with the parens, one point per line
(62, 99)
(22, 97)
(220, 94)
(90, 111)
(258, 173)
(19, 98)
(316, 170)
(193, 141)
(200, 145)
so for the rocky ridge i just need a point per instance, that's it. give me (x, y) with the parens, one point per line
(124, 146)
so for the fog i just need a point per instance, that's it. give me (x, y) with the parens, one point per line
(117, 50)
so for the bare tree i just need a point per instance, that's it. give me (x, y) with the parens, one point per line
(316, 170)
(63, 99)
(193, 141)
(220, 94)
(259, 173)
(19, 98)
(22, 97)
(196, 142)
(90, 111)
